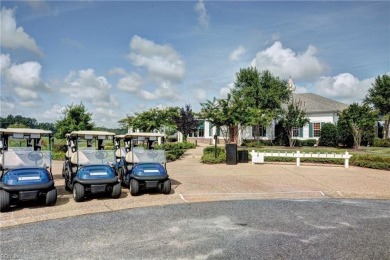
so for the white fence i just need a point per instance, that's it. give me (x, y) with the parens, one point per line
(258, 157)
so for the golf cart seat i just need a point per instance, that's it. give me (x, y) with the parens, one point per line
(79, 158)
(132, 158)
(120, 153)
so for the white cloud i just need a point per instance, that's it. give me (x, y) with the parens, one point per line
(284, 62)
(52, 114)
(161, 61)
(26, 74)
(203, 17)
(164, 69)
(237, 53)
(15, 37)
(200, 94)
(130, 83)
(223, 92)
(5, 63)
(117, 71)
(25, 94)
(344, 87)
(84, 85)
(23, 79)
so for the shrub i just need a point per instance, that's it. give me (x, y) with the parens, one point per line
(328, 135)
(371, 161)
(382, 142)
(254, 143)
(209, 155)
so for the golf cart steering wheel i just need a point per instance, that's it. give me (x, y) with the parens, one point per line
(152, 154)
(35, 156)
(101, 155)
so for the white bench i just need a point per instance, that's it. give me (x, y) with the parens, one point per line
(258, 157)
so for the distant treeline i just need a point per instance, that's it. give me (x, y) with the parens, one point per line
(19, 121)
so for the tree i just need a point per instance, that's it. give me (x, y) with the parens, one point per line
(260, 94)
(328, 135)
(359, 120)
(159, 119)
(186, 122)
(293, 117)
(75, 118)
(379, 97)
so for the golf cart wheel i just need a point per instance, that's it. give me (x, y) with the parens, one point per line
(116, 191)
(134, 187)
(78, 192)
(51, 197)
(166, 189)
(4, 201)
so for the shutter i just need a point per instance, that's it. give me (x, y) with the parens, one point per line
(211, 130)
(311, 130)
(301, 132)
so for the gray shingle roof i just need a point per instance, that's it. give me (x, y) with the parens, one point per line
(314, 103)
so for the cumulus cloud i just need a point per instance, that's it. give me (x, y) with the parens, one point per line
(130, 83)
(26, 74)
(344, 87)
(237, 53)
(223, 92)
(15, 37)
(163, 66)
(200, 94)
(117, 71)
(203, 17)
(23, 80)
(284, 62)
(161, 61)
(86, 86)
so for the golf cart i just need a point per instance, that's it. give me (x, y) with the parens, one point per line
(26, 172)
(139, 166)
(88, 168)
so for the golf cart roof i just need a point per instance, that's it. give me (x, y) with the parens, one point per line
(25, 131)
(91, 134)
(140, 134)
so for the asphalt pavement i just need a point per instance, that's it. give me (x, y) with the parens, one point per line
(245, 229)
(243, 211)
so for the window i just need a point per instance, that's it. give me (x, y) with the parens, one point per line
(201, 132)
(261, 131)
(316, 129)
(295, 132)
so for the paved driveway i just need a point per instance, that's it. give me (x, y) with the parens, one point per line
(196, 182)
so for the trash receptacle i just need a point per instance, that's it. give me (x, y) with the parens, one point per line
(243, 156)
(231, 154)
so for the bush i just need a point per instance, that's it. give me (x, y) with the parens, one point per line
(381, 142)
(328, 135)
(371, 161)
(254, 143)
(209, 155)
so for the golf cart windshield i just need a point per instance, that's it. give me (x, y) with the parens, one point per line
(92, 156)
(141, 155)
(15, 158)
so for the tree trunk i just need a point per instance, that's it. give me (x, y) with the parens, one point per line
(386, 129)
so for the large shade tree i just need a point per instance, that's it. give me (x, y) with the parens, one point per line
(261, 94)
(76, 117)
(360, 121)
(154, 119)
(379, 97)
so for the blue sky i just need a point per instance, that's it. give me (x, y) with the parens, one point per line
(123, 57)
